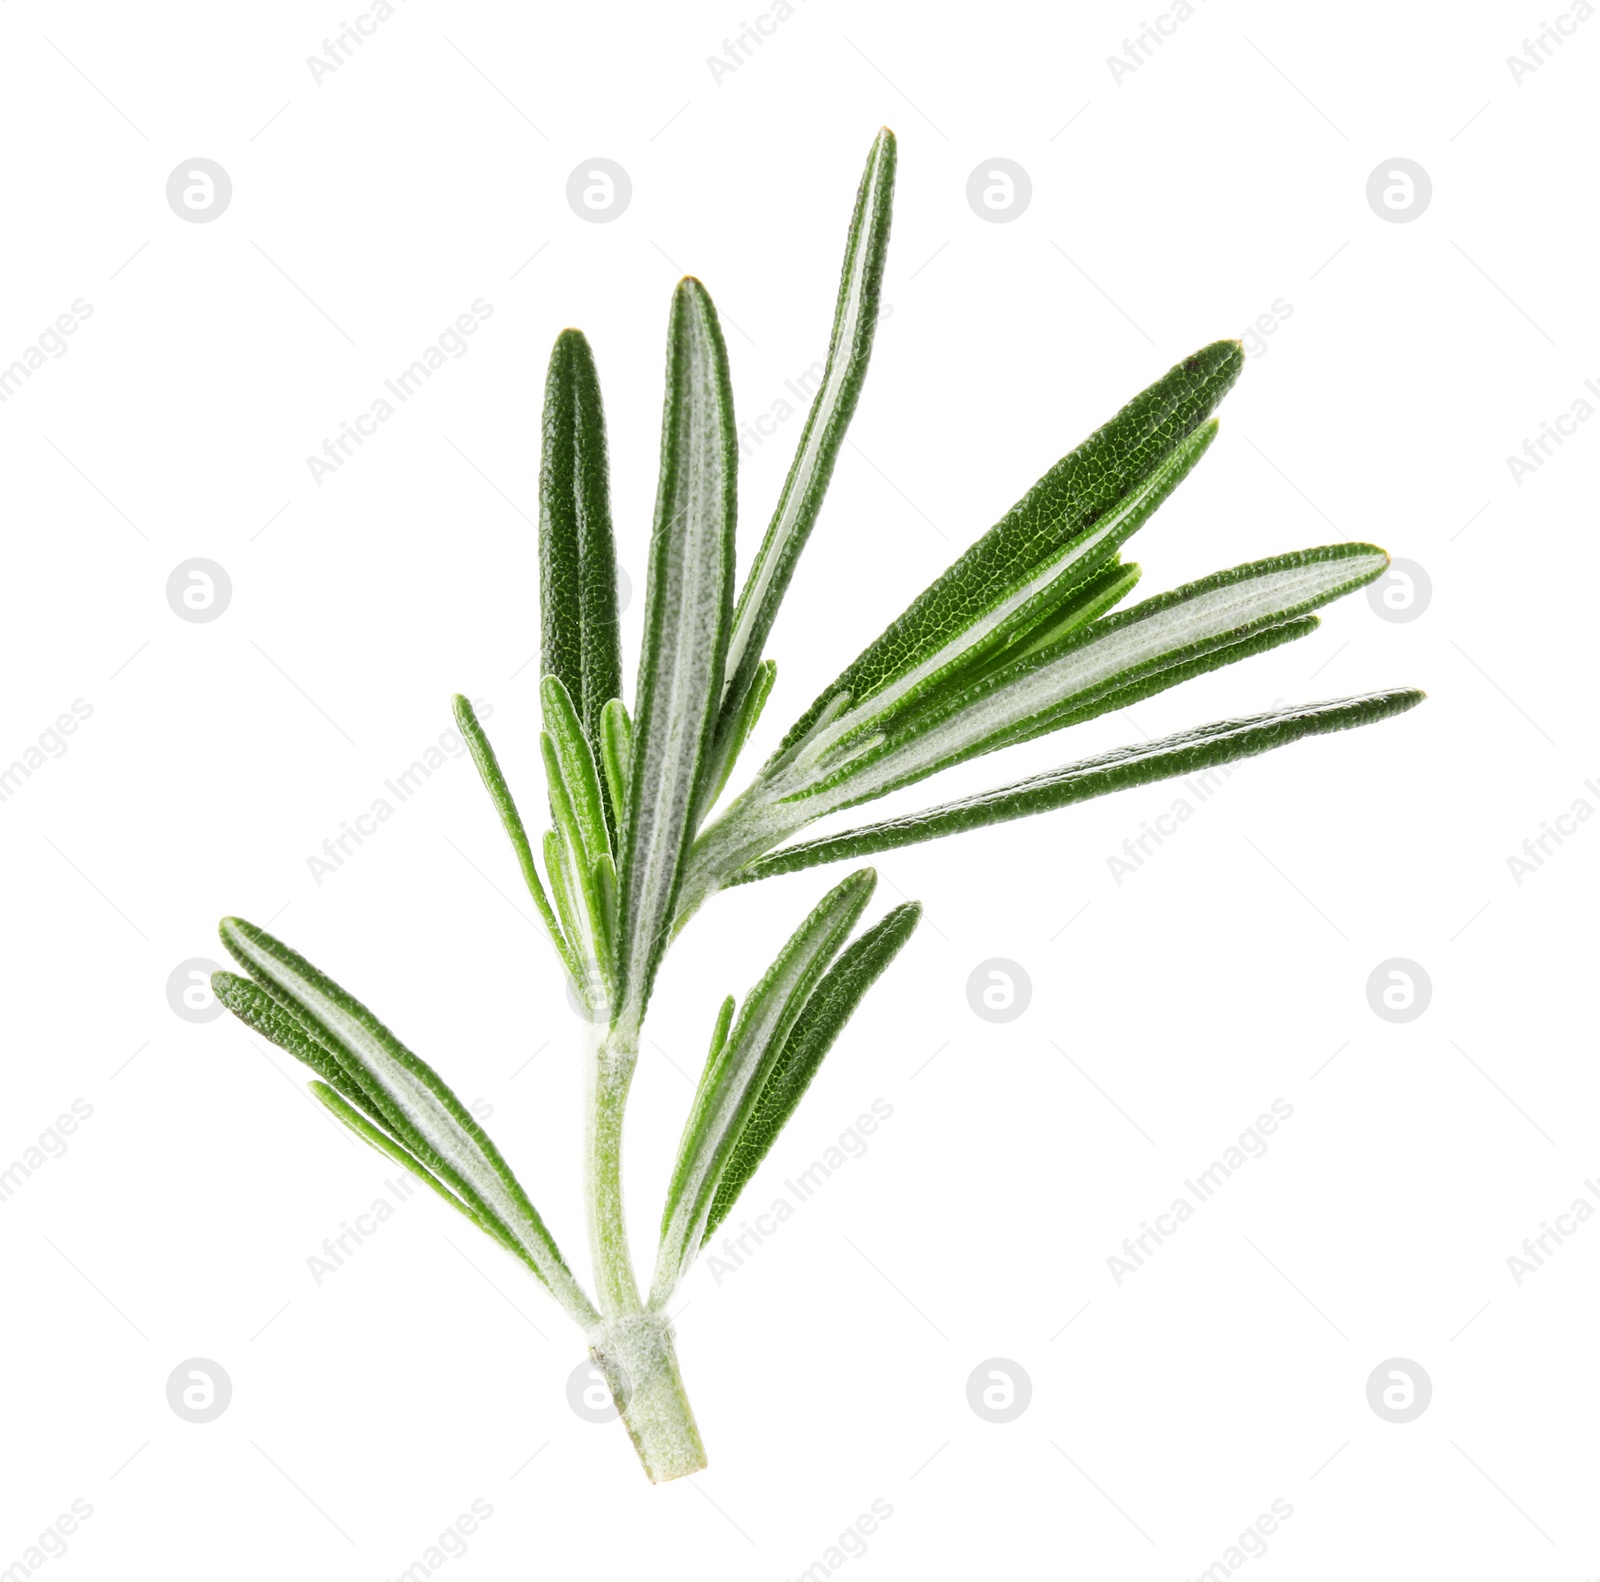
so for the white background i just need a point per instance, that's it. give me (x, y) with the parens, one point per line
(1226, 173)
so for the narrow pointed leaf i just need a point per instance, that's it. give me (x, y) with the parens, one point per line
(1159, 679)
(1108, 664)
(616, 751)
(386, 1145)
(275, 1020)
(1185, 753)
(688, 607)
(575, 761)
(1072, 520)
(511, 821)
(580, 897)
(567, 894)
(855, 321)
(389, 1148)
(755, 701)
(581, 636)
(1172, 628)
(738, 1070)
(418, 1108)
(841, 990)
(1093, 597)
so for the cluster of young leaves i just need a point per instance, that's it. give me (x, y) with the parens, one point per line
(1022, 636)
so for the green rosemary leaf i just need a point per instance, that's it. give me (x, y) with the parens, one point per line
(855, 321)
(1105, 665)
(417, 1106)
(688, 606)
(389, 1148)
(275, 1020)
(616, 750)
(1185, 753)
(1072, 520)
(581, 637)
(841, 990)
(505, 805)
(567, 894)
(575, 763)
(738, 1070)
(755, 700)
(1021, 697)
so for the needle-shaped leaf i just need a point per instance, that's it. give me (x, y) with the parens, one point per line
(576, 766)
(505, 805)
(688, 606)
(855, 321)
(1072, 521)
(577, 883)
(389, 1148)
(275, 1020)
(738, 1069)
(419, 1110)
(616, 752)
(1108, 664)
(581, 638)
(1184, 753)
(755, 700)
(832, 1005)
(1172, 628)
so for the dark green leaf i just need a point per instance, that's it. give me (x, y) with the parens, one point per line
(1186, 753)
(581, 637)
(832, 1005)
